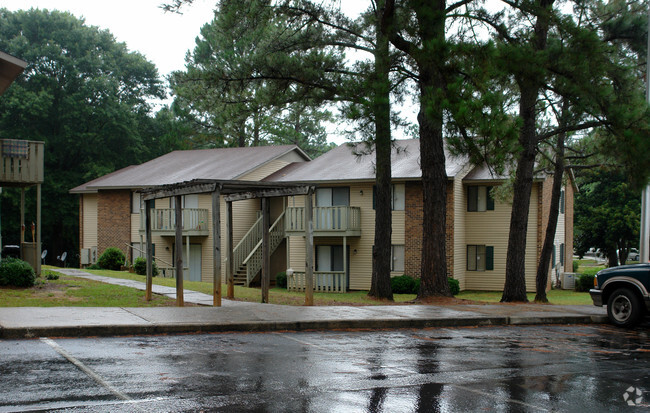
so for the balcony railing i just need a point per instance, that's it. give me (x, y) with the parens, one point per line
(324, 281)
(21, 162)
(163, 221)
(327, 221)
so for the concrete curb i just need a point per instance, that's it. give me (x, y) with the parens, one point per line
(8, 333)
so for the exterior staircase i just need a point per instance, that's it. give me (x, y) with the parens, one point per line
(247, 255)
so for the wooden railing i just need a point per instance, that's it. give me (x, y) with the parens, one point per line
(324, 281)
(21, 161)
(334, 220)
(247, 244)
(255, 259)
(194, 219)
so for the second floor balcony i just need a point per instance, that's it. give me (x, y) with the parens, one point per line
(21, 162)
(163, 222)
(336, 221)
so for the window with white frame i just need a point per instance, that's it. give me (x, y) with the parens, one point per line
(136, 202)
(480, 258)
(397, 257)
(479, 198)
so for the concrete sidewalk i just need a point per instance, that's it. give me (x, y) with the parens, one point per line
(28, 322)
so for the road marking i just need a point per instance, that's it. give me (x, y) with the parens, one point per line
(84, 368)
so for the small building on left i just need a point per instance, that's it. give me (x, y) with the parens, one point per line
(21, 166)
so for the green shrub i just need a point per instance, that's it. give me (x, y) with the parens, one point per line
(93, 267)
(454, 286)
(576, 265)
(140, 267)
(404, 284)
(16, 273)
(281, 279)
(112, 259)
(50, 275)
(584, 283)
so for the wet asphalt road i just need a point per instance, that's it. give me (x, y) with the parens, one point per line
(502, 369)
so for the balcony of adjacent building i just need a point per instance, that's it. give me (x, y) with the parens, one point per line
(163, 222)
(332, 221)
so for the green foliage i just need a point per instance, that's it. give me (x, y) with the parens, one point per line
(404, 284)
(87, 97)
(281, 280)
(16, 273)
(50, 275)
(454, 286)
(140, 267)
(607, 213)
(93, 267)
(584, 283)
(576, 265)
(112, 259)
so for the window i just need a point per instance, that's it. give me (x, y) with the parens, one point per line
(480, 258)
(397, 257)
(138, 249)
(553, 257)
(187, 201)
(479, 198)
(397, 199)
(136, 203)
(336, 196)
(329, 258)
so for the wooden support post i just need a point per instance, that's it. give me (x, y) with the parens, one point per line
(148, 205)
(216, 250)
(22, 219)
(266, 256)
(179, 251)
(345, 260)
(309, 249)
(230, 270)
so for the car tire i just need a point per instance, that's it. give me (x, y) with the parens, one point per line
(624, 308)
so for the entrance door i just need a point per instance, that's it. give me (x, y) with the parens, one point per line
(194, 273)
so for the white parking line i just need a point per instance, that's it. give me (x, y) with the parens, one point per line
(84, 368)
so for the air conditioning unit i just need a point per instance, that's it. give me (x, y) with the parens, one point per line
(568, 280)
(93, 255)
(85, 256)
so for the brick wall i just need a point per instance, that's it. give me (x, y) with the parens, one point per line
(413, 229)
(113, 220)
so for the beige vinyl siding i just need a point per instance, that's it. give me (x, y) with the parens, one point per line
(459, 228)
(560, 239)
(360, 247)
(264, 171)
(491, 228)
(89, 221)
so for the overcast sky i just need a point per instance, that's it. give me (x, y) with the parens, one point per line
(163, 38)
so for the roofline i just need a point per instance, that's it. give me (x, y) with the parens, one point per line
(289, 149)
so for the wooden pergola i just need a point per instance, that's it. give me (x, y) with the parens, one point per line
(231, 191)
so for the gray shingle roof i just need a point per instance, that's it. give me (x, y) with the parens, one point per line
(180, 166)
(340, 164)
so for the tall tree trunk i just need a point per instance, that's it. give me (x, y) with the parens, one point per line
(431, 62)
(529, 85)
(554, 211)
(381, 253)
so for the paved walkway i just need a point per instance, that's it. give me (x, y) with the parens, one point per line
(28, 322)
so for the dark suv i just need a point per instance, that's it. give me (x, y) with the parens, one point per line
(625, 290)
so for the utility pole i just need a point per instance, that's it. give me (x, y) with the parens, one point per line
(644, 253)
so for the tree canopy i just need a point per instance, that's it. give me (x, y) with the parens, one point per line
(86, 96)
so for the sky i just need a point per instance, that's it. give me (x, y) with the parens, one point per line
(164, 38)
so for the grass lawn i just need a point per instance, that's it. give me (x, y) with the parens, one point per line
(77, 292)
(282, 296)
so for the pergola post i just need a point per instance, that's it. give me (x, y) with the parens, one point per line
(179, 251)
(148, 205)
(309, 249)
(38, 246)
(216, 250)
(230, 270)
(266, 256)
